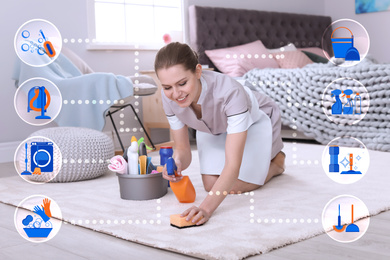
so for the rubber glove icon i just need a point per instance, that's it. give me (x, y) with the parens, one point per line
(41, 213)
(46, 207)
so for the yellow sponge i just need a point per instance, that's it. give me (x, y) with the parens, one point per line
(180, 222)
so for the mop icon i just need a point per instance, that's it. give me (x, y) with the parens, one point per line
(39, 100)
(26, 172)
(350, 166)
(350, 228)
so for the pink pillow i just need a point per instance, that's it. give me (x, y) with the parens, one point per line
(292, 59)
(314, 50)
(234, 61)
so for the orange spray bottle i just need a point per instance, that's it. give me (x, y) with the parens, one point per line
(183, 189)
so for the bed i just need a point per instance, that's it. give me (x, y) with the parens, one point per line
(299, 92)
(215, 28)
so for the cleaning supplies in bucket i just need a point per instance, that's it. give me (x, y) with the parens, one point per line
(343, 46)
(138, 178)
(135, 160)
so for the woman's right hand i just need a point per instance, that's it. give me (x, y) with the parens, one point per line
(173, 178)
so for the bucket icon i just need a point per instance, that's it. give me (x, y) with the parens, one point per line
(343, 47)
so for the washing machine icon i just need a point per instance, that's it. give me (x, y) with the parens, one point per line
(42, 156)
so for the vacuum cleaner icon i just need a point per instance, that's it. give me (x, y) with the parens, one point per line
(39, 100)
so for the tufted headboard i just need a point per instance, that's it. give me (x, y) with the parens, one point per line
(214, 28)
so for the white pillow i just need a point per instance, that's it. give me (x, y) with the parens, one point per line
(234, 61)
(288, 47)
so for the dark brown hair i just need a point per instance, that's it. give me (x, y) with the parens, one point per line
(176, 53)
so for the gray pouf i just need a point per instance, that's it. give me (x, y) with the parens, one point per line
(85, 152)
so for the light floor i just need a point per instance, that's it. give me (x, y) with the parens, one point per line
(80, 243)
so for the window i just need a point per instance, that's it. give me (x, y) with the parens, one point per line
(140, 23)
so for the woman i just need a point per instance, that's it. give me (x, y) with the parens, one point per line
(238, 131)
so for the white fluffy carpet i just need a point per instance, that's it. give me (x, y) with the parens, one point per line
(243, 225)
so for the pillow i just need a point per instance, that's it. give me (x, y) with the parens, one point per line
(315, 58)
(238, 66)
(288, 47)
(314, 50)
(292, 59)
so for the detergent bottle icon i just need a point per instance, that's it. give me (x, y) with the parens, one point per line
(358, 104)
(39, 100)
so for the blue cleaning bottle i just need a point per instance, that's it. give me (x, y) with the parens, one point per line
(337, 107)
(348, 107)
(358, 104)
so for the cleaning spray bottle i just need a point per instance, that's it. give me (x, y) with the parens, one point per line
(337, 107)
(183, 189)
(348, 107)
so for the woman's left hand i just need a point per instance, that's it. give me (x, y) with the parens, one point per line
(196, 215)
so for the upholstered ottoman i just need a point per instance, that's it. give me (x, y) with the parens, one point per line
(85, 152)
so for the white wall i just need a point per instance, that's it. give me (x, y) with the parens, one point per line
(376, 25)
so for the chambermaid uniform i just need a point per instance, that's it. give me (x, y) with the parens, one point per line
(227, 108)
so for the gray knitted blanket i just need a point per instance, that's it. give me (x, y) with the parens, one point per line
(298, 93)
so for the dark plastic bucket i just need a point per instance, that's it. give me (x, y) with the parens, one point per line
(340, 46)
(142, 187)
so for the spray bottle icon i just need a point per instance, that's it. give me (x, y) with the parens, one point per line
(348, 107)
(337, 107)
(352, 106)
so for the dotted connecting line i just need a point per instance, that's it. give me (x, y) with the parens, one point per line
(158, 208)
(225, 193)
(87, 40)
(252, 208)
(287, 221)
(72, 161)
(98, 102)
(117, 222)
(255, 56)
(72, 40)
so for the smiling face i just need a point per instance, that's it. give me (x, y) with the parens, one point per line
(180, 85)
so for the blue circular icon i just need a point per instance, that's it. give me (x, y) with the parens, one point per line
(36, 32)
(41, 51)
(25, 47)
(25, 34)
